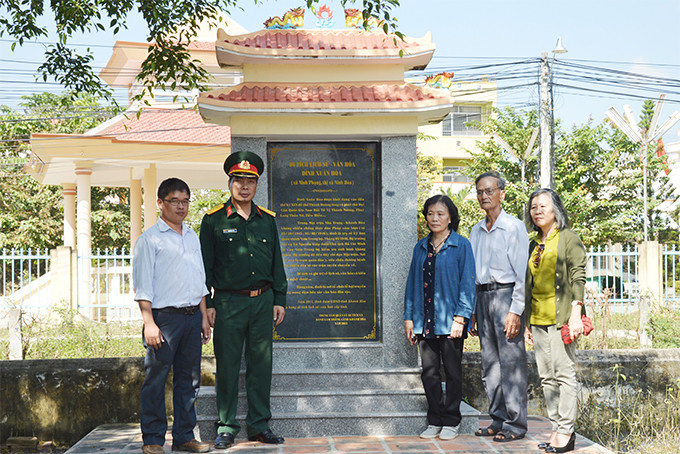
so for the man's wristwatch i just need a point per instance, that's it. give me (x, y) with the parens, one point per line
(577, 303)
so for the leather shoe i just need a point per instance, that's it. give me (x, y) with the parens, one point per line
(224, 441)
(267, 437)
(153, 449)
(192, 446)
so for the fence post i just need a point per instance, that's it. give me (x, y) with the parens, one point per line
(16, 341)
(61, 278)
(651, 285)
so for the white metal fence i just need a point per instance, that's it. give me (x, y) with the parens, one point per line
(611, 270)
(24, 278)
(111, 295)
(612, 275)
(671, 272)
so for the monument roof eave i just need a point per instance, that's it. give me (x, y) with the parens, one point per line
(373, 99)
(323, 46)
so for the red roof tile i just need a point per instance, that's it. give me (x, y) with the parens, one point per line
(320, 40)
(168, 125)
(326, 93)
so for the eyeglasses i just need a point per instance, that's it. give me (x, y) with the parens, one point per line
(177, 202)
(489, 191)
(539, 252)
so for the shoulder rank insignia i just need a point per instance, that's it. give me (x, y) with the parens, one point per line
(215, 209)
(269, 212)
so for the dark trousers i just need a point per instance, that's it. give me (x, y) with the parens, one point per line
(181, 351)
(504, 362)
(442, 411)
(241, 319)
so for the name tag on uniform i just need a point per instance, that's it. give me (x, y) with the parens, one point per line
(229, 231)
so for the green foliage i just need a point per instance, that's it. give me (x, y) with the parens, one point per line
(468, 209)
(515, 127)
(428, 167)
(171, 25)
(203, 200)
(597, 174)
(664, 328)
(31, 214)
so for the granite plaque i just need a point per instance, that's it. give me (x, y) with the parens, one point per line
(325, 196)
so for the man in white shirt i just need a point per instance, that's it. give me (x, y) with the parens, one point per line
(501, 248)
(169, 282)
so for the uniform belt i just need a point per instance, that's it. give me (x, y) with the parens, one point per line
(188, 310)
(253, 292)
(491, 286)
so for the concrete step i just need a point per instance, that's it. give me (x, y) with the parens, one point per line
(323, 402)
(286, 402)
(324, 379)
(366, 423)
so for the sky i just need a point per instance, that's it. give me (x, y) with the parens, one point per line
(619, 52)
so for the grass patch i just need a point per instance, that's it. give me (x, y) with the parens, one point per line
(626, 420)
(69, 335)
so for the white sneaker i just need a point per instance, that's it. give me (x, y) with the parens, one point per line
(431, 431)
(449, 432)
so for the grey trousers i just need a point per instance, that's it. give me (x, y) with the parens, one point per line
(555, 362)
(504, 362)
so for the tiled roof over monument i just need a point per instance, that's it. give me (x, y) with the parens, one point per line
(326, 93)
(323, 46)
(319, 40)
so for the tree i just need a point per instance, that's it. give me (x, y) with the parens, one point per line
(428, 167)
(597, 174)
(171, 24)
(31, 214)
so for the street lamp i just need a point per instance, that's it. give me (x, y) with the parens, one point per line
(546, 114)
(644, 138)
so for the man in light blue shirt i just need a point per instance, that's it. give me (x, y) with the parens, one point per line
(500, 245)
(169, 282)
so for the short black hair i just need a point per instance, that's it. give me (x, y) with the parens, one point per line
(493, 174)
(171, 185)
(448, 203)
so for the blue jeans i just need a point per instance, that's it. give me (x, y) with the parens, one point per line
(181, 351)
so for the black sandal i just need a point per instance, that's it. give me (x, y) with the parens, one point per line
(488, 432)
(506, 435)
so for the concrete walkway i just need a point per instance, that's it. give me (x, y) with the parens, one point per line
(126, 438)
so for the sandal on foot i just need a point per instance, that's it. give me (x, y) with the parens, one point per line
(506, 435)
(488, 432)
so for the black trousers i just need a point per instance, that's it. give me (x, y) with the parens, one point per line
(442, 410)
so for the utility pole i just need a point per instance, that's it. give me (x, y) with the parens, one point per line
(545, 115)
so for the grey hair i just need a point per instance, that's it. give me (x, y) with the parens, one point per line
(493, 174)
(561, 217)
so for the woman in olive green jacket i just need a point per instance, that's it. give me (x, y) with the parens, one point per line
(556, 276)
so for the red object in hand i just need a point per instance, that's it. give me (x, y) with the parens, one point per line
(587, 329)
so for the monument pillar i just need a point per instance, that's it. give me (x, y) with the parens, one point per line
(399, 235)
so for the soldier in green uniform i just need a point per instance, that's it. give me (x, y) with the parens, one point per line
(244, 270)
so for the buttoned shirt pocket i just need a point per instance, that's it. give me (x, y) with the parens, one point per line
(264, 248)
(231, 244)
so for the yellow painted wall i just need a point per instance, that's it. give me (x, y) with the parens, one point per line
(323, 127)
(321, 73)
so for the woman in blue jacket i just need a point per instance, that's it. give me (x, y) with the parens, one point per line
(439, 301)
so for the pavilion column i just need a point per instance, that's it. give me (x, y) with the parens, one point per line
(135, 209)
(69, 193)
(84, 230)
(150, 196)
